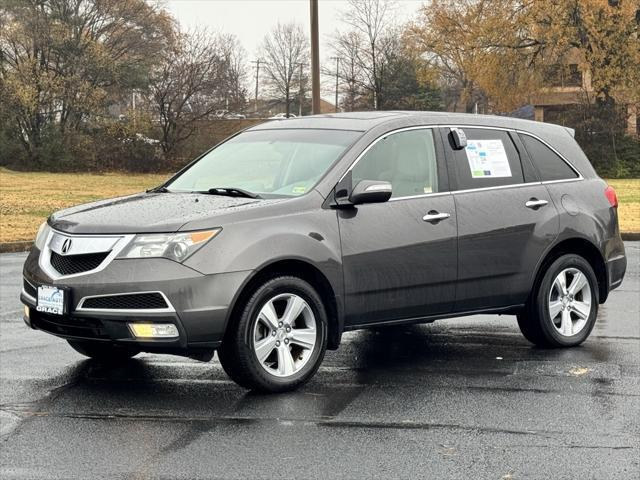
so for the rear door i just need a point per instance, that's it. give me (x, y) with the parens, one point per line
(506, 220)
(400, 257)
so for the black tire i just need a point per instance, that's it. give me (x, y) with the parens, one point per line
(237, 354)
(536, 323)
(103, 351)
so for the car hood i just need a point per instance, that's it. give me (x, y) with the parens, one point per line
(148, 212)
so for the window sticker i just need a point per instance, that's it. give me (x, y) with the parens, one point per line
(487, 159)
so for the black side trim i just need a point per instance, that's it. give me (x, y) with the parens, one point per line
(509, 310)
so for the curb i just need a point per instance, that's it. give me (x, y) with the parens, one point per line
(15, 247)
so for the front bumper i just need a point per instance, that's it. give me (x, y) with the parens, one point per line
(198, 304)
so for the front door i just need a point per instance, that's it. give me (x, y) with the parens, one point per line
(400, 257)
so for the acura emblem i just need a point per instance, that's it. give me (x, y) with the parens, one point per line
(66, 246)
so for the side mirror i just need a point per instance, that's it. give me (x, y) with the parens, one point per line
(458, 138)
(370, 191)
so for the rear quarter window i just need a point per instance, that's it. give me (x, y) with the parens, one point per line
(549, 164)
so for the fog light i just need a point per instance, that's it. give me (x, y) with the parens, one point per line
(26, 311)
(154, 330)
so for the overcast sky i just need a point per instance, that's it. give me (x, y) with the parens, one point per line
(250, 20)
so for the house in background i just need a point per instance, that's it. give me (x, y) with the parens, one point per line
(568, 85)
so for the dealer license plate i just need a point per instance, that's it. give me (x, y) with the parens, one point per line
(50, 300)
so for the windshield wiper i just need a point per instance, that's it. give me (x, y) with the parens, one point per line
(161, 189)
(232, 192)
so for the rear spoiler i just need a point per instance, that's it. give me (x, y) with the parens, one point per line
(571, 131)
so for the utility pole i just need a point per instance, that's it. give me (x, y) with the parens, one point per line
(257, 62)
(315, 58)
(301, 94)
(337, 59)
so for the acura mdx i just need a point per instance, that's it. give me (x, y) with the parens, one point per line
(276, 241)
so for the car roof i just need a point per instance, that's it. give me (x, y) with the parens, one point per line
(359, 121)
(363, 121)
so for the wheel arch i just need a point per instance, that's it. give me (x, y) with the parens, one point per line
(302, 269)
(588, 251)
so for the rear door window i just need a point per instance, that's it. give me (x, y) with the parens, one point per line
(547, 162)
(489, 160)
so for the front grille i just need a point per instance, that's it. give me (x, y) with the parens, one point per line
(136, 301)
(72, 264)
(29, 289)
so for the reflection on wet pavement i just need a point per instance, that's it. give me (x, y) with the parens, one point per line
(459, 398)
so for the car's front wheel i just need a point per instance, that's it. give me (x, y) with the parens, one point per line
(103, 351)
(279, 339)
(563, 308)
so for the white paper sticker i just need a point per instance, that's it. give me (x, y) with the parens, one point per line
(487, 159)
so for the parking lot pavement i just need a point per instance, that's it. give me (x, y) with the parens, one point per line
(463, 398)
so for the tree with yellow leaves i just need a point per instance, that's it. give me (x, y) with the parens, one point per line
(498, 49)
(62, 60)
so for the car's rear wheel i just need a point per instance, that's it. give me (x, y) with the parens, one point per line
(279, 339)
(564, 305)
(103, 351)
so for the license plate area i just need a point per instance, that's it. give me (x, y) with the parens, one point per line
(52, 300)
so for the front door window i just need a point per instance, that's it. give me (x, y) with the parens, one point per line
(406, 159)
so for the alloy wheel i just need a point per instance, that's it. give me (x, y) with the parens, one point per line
(570, 302)
(284, 335)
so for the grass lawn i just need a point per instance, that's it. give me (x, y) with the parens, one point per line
(26, 199)
(628, 192)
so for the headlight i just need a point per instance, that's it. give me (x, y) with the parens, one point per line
(41, 236)
(175, 246)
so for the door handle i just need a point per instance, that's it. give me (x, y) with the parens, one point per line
(534, 203)
(435, 217)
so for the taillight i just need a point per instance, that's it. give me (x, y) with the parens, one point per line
(610, 193)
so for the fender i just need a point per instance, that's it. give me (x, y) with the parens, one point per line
(575, 243)
(311, 237)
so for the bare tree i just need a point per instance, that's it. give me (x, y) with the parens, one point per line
(234, 74)
(368, 42)
(347, 47)
(185, 87)
(283, 51)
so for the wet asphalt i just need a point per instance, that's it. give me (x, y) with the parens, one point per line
(462, 398)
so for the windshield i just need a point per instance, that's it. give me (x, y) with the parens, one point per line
(269, 163)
